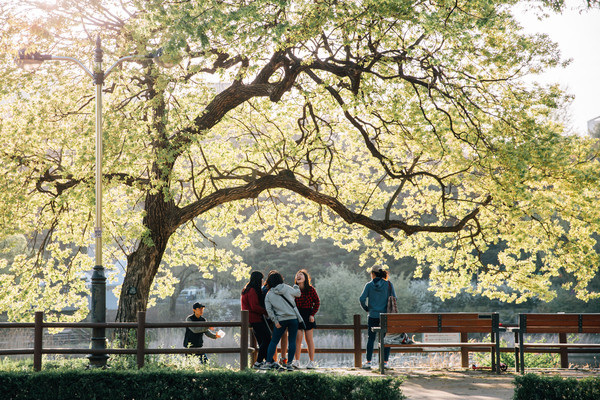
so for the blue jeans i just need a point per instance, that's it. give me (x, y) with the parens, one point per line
(292, 326)
(371, 340)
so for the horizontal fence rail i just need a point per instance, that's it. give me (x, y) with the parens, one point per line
(140, 326)
(247, 342)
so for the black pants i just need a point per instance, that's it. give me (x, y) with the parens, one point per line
(263, 337)
(203, 358)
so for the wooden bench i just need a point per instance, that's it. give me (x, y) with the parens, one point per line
(561, 324)
(463, 323)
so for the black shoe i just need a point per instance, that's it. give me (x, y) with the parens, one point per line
(257, 365)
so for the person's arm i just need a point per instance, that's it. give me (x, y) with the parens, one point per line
(393, 291)
(295, 291)
(316, 301)
(211, 334)
(254, 303)
(269, 308)
(196, 329)
(363, 298)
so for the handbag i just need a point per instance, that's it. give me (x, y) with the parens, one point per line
(301, 324)
(392, 305)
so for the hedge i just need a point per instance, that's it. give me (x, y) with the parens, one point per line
(535, 387)
(190, 385)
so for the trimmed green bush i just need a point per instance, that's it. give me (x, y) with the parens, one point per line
(535, 387)
(189, 385)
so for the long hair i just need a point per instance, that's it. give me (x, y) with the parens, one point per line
(307, 284)
(255, 282)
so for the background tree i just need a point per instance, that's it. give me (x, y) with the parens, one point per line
(404, 127)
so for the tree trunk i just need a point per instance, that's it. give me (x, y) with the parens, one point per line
(143, 263)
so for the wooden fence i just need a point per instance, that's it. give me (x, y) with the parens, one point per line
(247, 342)
(140, 326)
(246, 348)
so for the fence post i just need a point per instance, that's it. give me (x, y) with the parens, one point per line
(141, 338)
(254, 344)
(244, 339)
(357, 342)
(38, 334)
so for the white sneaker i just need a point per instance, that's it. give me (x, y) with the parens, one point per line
(266, 366)
(296, 364)
(366, 365)
(311, 365)
(257, 365)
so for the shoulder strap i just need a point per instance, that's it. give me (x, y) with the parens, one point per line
(287, 301)
(293, 306)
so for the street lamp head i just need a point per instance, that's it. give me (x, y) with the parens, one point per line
(30, 61)
(164, 60)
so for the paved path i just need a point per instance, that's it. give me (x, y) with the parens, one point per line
(455, 384)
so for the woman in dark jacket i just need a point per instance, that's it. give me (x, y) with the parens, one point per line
(253, 300)
(374, 300)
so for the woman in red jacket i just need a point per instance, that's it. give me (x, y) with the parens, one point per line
(253, 300)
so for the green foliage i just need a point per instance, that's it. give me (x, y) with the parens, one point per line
(339, 289)
(532, 360)
(183, 385)
(396, 129)
(536, 387)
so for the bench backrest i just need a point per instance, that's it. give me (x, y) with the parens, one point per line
(440, 322)
(559, 323)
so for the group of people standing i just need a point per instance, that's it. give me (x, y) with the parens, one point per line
(280, 312)
(276, 309)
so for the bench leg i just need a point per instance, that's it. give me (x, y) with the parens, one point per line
(522, 352)
(381, 353)
(564, 352)
(517, 360)
(464, 354)
(497, 351)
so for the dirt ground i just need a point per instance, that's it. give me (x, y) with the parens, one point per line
(455, 384)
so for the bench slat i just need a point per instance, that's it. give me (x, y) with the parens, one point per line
(582, 345)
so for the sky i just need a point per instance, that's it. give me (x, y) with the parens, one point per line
(577, 35)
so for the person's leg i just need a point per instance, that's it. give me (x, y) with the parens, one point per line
(310, 343)
(292, 327)
(299, 344)
(371, 337)
(386, 353)
(284, 344)
(277, 333)
(263, 337)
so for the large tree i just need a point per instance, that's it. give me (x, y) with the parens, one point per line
(402, 126)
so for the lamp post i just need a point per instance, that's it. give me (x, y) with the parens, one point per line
(98, 287)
